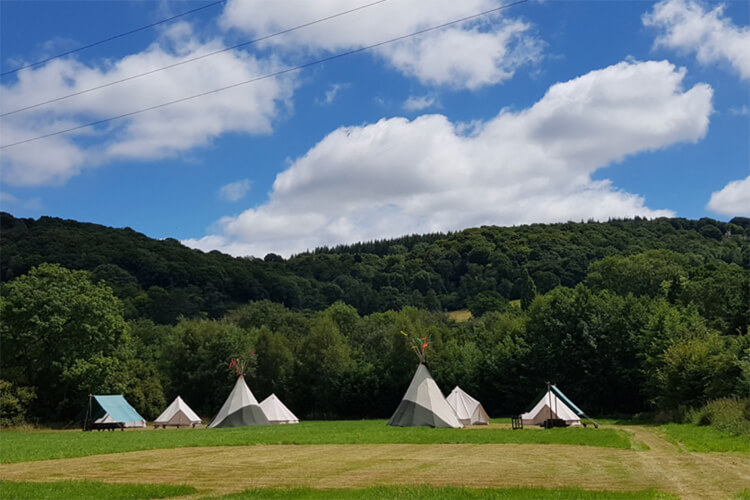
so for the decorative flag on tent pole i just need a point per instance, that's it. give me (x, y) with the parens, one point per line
(241, 365)
(419, 345)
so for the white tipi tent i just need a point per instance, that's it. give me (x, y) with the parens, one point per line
(468, 410)
(552, 405)
(240, 409)
(178, 414)
(277, 412)
(424, 404)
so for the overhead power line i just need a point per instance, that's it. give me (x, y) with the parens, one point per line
(192, 59)
(114, 37)
(269, 75)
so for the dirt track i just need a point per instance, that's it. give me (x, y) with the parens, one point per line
(664, 467)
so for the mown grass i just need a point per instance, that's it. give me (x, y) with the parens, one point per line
(460, 315)
(89, 490)
(18, 446)
(706, 439)
(743, 495)
(443, 493)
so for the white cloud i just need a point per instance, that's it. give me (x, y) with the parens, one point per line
(468, 55)
(733, 199)
(397, 176)
(686, 25)
(235, 191)
(7, 199)
(332, 92)
(418, 103)
(162, 132)
(743, 110)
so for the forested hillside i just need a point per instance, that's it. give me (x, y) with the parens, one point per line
(162, 280)
(625, 316)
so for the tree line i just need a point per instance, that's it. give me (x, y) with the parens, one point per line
(650, 331)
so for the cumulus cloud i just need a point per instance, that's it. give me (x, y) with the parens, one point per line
(469, 55)
(398, 176)
(689, 26)
(733, 199)
(158, 133)
(235, 191)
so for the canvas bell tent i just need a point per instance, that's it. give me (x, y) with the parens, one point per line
(277, 412)
(424, 404)
(240, 409)
(552, 406)
(468, 410)
(178, 414)
(111, 412)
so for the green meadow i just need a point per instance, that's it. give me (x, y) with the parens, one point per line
(42, 445)
(370, 460)
(442, 493)
(89, 490)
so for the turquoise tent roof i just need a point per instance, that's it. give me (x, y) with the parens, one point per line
(568, 402)
(118, 409)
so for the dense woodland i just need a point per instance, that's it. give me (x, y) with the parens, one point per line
(626, 316)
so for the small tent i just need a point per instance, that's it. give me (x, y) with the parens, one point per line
(468, 410)
(277, 412)
(552, 404)
(424, 404)
(240, 409)
(111, 412)
(178, 414)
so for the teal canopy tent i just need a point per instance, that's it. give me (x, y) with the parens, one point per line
(111, 412)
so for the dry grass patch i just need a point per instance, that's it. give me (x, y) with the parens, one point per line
(222, 470)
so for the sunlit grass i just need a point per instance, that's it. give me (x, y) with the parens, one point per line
(18, 446)
(443, 493)
(89, 490)
(705, 438)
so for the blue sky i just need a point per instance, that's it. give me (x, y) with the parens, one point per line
(546, 111)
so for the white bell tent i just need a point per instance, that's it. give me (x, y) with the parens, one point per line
(178, 414)
(468, 410)
(552, 405)
(277, 412)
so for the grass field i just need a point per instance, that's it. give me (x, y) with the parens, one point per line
(460, 315)
(89, 490)
(365, 460)
(41, 445)
(443, 493)
(706, 439)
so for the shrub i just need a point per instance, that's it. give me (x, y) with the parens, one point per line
(14, 403)
(730, 415)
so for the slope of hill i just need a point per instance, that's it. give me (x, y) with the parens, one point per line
(163, 279)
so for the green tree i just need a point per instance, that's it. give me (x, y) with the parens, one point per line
(14, 403)
(528, 290)
(54, 321)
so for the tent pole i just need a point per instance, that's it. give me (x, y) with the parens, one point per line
(549, 400)
(88, 415)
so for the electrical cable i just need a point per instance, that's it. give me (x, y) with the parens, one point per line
(269, 75)
(114, 37)
(192, 59)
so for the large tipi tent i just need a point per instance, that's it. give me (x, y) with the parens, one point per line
(240, 409)
(468, 410)
(277, 412)
(424, 404)
(552, 404)
(109, 412)
(178, 414)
